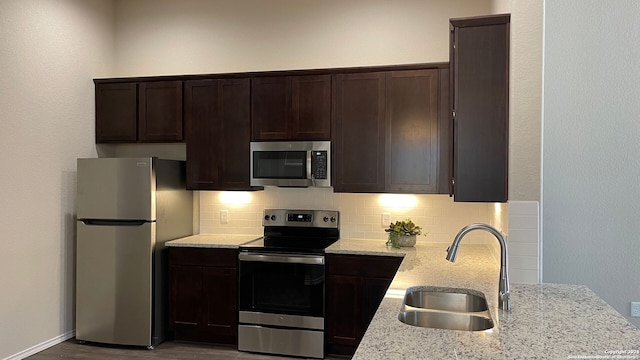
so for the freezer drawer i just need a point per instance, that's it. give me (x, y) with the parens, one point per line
(114, 283)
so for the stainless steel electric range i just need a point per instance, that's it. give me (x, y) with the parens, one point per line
(282, 283)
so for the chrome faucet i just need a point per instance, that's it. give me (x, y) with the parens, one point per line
(504, 301)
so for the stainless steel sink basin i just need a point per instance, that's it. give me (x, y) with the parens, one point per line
(445, 308)
(446, 301)
(446, 320)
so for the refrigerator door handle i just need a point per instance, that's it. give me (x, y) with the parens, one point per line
(102, 222)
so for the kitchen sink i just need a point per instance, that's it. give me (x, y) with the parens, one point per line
(446, 320)
(443, 308)
(446, 301)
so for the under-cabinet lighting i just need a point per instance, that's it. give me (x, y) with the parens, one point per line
(402, 201)
(235, 197)
(497, 208)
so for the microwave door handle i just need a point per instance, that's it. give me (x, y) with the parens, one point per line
(310, 175)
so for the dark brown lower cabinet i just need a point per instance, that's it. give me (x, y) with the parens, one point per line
(203, 295)
(356, 285)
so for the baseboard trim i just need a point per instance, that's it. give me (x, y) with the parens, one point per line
(42, 346)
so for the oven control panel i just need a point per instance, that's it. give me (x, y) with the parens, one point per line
(301, 218)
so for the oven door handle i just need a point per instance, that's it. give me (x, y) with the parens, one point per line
(279, 258)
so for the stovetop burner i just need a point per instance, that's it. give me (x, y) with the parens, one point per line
(296, 231)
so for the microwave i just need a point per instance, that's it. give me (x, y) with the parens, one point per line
(291, 163)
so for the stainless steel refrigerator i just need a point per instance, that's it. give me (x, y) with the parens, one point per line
(127, 208)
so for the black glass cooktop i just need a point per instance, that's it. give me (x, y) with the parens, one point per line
(296, 245)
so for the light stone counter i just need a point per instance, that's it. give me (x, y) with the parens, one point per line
(547, 321)
(212, 241)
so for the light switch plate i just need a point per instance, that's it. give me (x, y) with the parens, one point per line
(224, 216)
(385, 220)
(635, 309)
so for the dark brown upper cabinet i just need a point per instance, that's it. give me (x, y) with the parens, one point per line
(291, 107)
(160, 111)
(479, 60)
(218, 132)
(412, 131)
(359, 132)
(116, 112)
(387, 131)
(138, 111)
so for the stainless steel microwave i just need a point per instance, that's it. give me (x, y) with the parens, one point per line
(291, 163)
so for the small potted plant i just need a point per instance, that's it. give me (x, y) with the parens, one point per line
(403, 233)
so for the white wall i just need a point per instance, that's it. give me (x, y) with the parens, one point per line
(591, 167)
(157, 37)
(51, 49)
(525, 100)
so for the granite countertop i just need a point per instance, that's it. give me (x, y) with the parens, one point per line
(547, 321)
(231, 241)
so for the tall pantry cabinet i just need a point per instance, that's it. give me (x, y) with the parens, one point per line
(479, 63)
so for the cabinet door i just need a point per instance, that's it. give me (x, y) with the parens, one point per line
(200, 133)
(270, 108)
(116, 112)
(310, 108)
(480, 78)
(220, 308)
(291, 108)
(358, 132)
(234, 128)
(343, 315)
(412, 156)
(217, 124)
(203, 294)
(185, 293)
(445, 136)
(356, 285)
(374, 288)
(160, 111)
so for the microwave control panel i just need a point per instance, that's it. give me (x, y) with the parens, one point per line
(319, 164)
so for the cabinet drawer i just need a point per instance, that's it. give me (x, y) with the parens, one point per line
(203, 257)
(363, 265)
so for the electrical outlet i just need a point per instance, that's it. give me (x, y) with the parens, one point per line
(224, 216)
(635, 309)
(385, 220)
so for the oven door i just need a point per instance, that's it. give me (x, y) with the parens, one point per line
(288, 284)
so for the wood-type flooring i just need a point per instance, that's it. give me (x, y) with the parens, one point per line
(73, 350)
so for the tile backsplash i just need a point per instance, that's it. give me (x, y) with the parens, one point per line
(524, 241)
(360, 214)
(361, 218)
